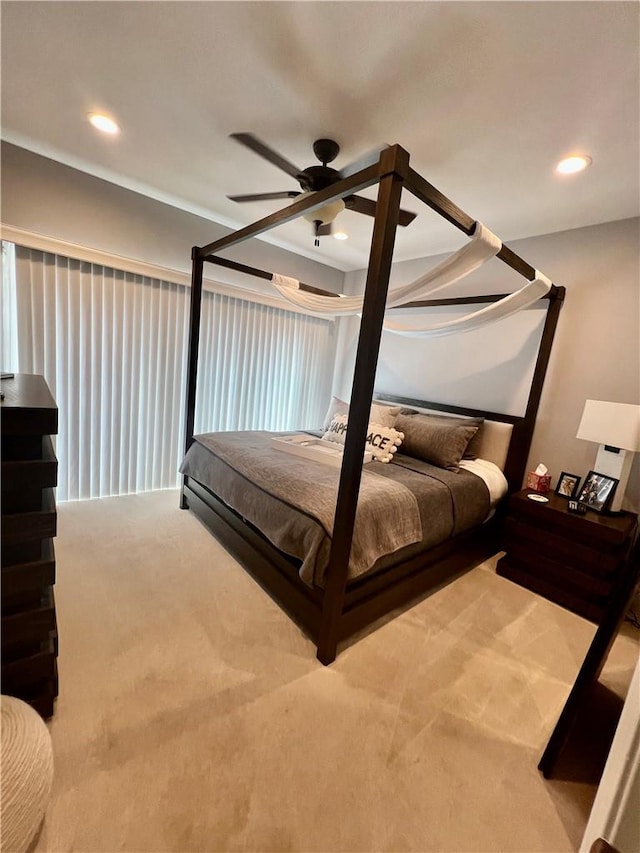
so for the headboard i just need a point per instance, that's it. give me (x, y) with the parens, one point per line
(514, 464)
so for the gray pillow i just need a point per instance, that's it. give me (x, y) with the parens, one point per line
(436, 439)
(473, 448)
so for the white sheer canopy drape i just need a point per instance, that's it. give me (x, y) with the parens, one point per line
(483, 246)
(112, 347)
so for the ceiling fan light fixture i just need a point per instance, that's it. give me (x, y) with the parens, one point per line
(325, 214)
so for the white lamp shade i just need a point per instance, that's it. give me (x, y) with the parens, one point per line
(614, 424)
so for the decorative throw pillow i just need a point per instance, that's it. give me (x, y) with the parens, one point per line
(382, 441)
(337, 429)
(434, 440)
(385, 415)
(473, 448)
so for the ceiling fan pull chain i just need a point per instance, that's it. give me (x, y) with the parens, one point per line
(317, 224)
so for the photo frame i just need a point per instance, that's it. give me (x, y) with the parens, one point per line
(568, 485)
(597, 491)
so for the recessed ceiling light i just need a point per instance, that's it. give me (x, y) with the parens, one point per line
(341, 235)
(573, 164)
(104, 123)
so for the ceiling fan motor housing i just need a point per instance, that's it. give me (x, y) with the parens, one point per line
(315, 178)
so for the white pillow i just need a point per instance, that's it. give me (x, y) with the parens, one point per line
(380, 414)
(382, 441)
(337, 429)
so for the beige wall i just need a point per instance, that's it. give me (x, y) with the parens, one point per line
(49, 198)
(596, 352)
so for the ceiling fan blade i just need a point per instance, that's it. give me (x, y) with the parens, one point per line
(264, 196)
(406, 217)
(324, 230)
(368, 207)
(269, 154)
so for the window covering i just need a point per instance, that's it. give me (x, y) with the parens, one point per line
(112, 346)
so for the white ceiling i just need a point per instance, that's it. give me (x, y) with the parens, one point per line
(485, 96)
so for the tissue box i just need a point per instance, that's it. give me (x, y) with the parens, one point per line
(539, 483)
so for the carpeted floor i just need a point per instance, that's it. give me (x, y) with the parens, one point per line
(193, 715)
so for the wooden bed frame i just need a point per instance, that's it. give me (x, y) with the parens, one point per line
(332, 614)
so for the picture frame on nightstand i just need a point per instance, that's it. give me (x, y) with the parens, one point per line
(597, 491)
(568, 485)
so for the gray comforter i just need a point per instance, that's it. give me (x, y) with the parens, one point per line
(292, 500)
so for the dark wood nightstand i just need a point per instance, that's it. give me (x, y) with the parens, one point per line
(573, 560)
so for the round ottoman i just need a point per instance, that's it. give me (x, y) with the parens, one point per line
(27, 773)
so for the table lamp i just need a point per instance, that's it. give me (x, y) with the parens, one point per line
(616, 428)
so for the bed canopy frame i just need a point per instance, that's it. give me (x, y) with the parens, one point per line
(332, 614)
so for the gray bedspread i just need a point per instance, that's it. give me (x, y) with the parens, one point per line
(292, 500)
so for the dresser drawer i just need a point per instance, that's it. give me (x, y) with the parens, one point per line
(39, 473)
(41, 694)
(19, 578)
(558, 547)
(509, 567)
(595, 530)
(29, 627)
(23, 526)
(590, 587)
(30, 670)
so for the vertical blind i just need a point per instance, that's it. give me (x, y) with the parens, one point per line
(8, 309)
(112, 347)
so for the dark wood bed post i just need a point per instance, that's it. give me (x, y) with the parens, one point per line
(192, 361)
(394, 165)
(522, 436)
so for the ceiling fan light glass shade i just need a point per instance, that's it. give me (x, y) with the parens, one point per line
(324, 214)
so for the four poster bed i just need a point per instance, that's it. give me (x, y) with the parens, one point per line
(312, 535)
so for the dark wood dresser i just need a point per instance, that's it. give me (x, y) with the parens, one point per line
(29, 475)
(573, 560)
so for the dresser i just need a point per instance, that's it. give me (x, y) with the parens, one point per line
(573, 560)
(29, 475)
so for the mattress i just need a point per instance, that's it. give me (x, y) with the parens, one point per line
(292, 500)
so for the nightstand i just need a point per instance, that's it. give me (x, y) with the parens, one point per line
(572, 560)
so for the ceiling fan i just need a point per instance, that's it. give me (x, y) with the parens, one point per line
(312, 179)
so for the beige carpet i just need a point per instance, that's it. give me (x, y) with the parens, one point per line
(193, 715)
